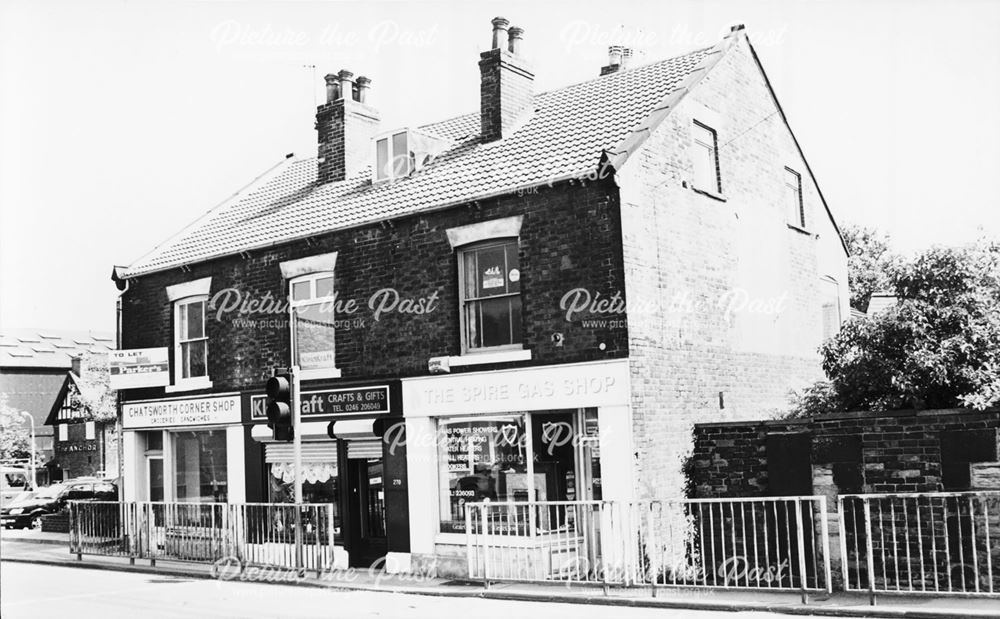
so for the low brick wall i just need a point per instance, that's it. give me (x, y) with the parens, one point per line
(898, 451)
(56, 523)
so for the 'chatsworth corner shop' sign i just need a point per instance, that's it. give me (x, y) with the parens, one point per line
(198, 411)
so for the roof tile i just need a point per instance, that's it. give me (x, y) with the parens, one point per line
(566, 136)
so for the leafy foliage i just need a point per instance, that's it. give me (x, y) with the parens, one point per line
(816, 399)
(95, 396)
(871, 264)
(938, 347)
(15, 437)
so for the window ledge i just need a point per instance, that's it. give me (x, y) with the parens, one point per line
(190, 384)
(319, 373)
(799, 229)
(709, 193)
(482, 358)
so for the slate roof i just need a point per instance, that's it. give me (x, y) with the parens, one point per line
(566, 136)
(48, 348)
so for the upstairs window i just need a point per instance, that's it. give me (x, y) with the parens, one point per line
(793, 198)
(313, 325)
(392, 157)
(490, 296)
(830, 299)
(705, 157)
(191, 341)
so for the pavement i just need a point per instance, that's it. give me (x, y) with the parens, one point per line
(52, 549)
(112, 595)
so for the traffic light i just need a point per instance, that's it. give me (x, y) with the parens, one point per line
(279, 405)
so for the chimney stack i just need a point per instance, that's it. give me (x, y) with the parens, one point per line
(618, 58)
(76, 364)
(345, 125)
(506, 82)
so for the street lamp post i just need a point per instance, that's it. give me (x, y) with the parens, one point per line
(34, 478)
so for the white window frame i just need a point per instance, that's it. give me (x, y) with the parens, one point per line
(63, 433)
(193, 382)
(799, 220)
(486, 350)
(827, 280)
(90, 430)
(315, 373)
(390, 174)
(697, 145)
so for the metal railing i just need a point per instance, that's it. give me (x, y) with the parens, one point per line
(259, 534)
(778, 543)
(936, 543)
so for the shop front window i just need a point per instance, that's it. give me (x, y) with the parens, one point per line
(516, 458)
(319, 485)
(200, 473)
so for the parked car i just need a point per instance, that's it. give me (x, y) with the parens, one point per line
(27, 512)
(13, 481)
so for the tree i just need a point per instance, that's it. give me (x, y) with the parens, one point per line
(870, 265)
(15, 437)
(95, 396)
(938, 347)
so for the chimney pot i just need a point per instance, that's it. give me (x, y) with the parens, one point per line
(363, 84)
(332, 87)
(499, 26)
(346, 83)
(618, 58)
(515, 35)
(615, 54)
(345, 127)
(505, 85)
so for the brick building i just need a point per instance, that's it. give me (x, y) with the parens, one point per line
(34, 364)
(82, 422)
(455, 296)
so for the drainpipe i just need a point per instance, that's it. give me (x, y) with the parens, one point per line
(123, 286)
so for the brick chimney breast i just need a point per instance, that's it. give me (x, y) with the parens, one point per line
(506, 83)
(345, 126)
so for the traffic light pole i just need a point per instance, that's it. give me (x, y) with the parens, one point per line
(297, 434)
(297, 462)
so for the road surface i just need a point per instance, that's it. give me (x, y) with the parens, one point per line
(30, 591)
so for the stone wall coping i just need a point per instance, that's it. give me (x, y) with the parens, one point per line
(849, 415)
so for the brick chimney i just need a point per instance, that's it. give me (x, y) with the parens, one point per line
(618, 58)
(506, 82)
(346, 125)
(76, 364)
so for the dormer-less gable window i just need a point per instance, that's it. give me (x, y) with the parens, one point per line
(392, 157)
(705, 157)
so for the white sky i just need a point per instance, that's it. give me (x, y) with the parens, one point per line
(120, 122)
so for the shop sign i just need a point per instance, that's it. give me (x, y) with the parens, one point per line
(202, 411)
(555, 387)
(140, 367)
(353, 401)
(76, 446)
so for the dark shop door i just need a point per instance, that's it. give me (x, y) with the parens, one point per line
(366, 509)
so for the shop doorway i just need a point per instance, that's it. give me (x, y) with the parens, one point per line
(154, 478)
(366, 537)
